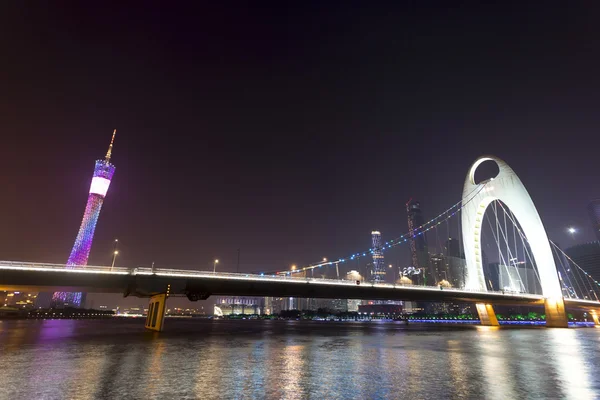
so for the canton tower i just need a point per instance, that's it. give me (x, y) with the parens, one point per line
(103, 173)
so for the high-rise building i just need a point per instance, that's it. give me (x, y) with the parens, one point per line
(594, 212)
(587, 257)
(438, 268)
(520, 277)
(418, 241)
(455, 263)
(378, 271)
(492, 276)
(566, 275)
(453, 248)
(103, 173)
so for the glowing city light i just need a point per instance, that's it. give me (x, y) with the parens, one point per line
(99, 186)
(103, 173)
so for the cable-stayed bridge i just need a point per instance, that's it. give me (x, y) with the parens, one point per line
(528, 262)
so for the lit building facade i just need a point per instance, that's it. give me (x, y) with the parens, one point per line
(103, 173)
(333, 305)
(354, 304)
(240, 305)
(438, 268)
(20, 300)
(378, 271)
(418, 240)
(457, 268)
(519, 277)
(455, 263)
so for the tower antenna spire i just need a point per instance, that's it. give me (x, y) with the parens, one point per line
(109, 152)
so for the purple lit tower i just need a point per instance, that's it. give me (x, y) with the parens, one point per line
(103, 173)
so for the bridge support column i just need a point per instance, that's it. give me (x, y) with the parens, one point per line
(156, 312)
(556, 315)
(595, 317)
(487, 316)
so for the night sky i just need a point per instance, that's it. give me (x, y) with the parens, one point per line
(287, 132)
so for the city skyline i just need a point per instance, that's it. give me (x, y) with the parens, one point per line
(582, 237)
(220, 170)
(314, 199)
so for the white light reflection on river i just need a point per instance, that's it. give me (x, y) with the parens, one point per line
(496, 371)
(567, 355)
(200, 359)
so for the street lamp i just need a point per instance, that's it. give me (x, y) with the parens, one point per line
(215, 266)
(115, 253)
(572, 231)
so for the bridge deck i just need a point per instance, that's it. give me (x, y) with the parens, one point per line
(144, 282)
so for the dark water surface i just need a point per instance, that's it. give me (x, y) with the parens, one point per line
(202, 359)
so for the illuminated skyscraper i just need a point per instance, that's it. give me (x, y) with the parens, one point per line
(378, 272)
(594, 212)
(418, 241)
(103, 173)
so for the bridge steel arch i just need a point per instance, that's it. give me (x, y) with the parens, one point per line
(508, 188)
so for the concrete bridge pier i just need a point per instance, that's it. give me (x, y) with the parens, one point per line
(595, 317)
(156, 312)
(487, 315)
(556, 315)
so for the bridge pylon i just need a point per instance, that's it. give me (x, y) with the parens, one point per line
(508, 188)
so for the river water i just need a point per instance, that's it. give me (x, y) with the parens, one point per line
(250, 359)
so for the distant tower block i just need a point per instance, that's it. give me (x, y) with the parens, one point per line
(594, 213)
(418, 240)
(103, 173)
(378, 272)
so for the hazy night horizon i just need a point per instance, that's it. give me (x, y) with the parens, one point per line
(278, 137)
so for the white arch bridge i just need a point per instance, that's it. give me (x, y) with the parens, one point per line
(506, 187)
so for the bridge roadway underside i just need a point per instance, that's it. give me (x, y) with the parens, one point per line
(201, 287)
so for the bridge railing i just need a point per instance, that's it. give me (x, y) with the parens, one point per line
(33, 266)
(345, 282)
(231, 275)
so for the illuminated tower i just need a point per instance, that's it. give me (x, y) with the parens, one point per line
(418, 241)
(103, 173)
(378, 271)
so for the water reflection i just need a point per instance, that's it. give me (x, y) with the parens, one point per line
(567, 354)
(498, 379)
(293, 360)
(459, 372)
